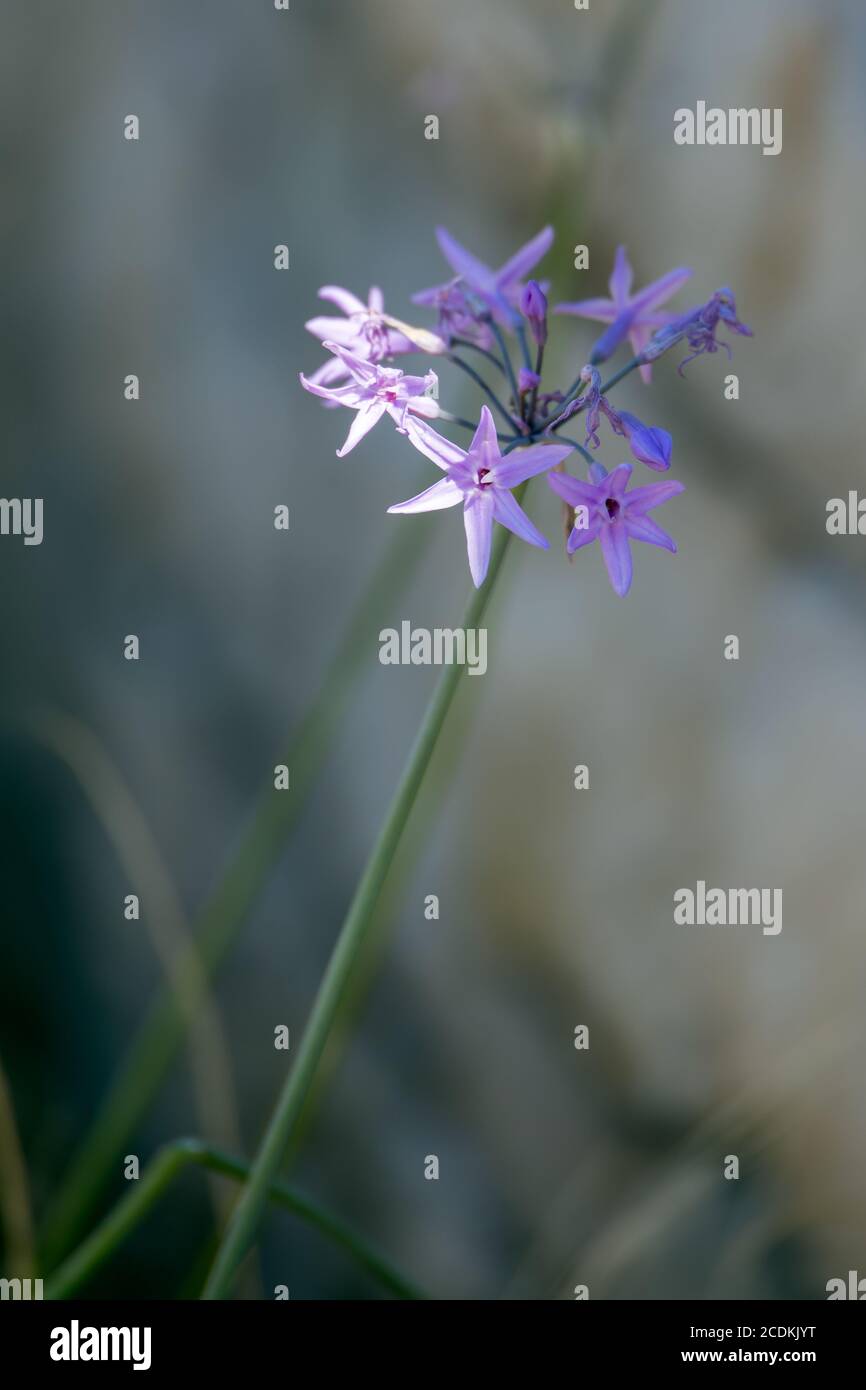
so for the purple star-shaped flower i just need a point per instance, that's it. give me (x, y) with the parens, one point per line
(499, 289)
(632, 315)
(374, 390)
(481, 478)
(366, 330)
(606, 512)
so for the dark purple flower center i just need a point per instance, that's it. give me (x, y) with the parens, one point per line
(613, 507)
(482, 474)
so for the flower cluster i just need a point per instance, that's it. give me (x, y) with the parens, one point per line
(489, 312)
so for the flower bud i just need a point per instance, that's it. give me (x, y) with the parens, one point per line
(533, 306)
(527, 380)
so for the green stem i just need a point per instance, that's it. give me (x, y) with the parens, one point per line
(506, 357)
(476, 347)
(606, 386)
(172, 1160)
(539, 364)
(580, 448)
(479, 381)
(244, 1223)
(618, 376)
(160, 1035)
(524, 346)
(469, 424)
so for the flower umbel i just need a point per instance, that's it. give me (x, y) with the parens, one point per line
(607, 513)
(473, 308)
(482, 479)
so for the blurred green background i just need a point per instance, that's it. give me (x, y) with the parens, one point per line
(557, 1167)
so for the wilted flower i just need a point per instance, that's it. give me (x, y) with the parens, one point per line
(648, 443)
(606, 512)
(373, 391)
(699, 327)
(481, 478)
(632, 315)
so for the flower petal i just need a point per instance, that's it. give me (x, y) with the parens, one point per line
(602, 309)
(617, 557)
(573, 490)
(338, 330)
(621, 278)
(583, 535)
(344, 299)
(433, 446)
(478, 520)
(605, 346)
(368, 416)
(523, 260)
(659, 290)
(639, 335)
(420, 338)
(617, 481)
(508, 512)
(340, 395)
(435, 499)
(526, 463)
(643, 528)
(332, 370)
(484, 441)
(642, 499)
(474, 272)
(358, 367)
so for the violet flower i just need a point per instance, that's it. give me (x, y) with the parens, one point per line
(367, 331)
(632, 315)
(482, 479)
(373, 391)
(500, 289)
(699, 327)
(606, 512)
(457, 316)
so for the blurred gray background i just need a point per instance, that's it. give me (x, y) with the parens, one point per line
(557, 1167)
